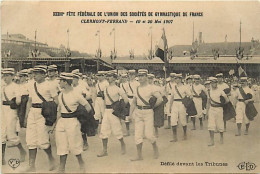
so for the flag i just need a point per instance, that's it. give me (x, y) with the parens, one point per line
(162, 47)
(241, 72)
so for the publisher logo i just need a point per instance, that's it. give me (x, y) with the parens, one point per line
(246, 166)
(14, 163)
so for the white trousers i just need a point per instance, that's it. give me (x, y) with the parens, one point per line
(241, 113)
(178, 113)
(68, 136)
(99, 108)
(215, 119)
(167, 106)
(8, 126)
(36, 132)
(198, 106)
(110, 123)
(144, 125)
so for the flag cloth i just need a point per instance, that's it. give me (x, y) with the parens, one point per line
(241, 72)
(162, 47)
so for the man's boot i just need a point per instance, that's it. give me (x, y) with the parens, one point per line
(81, 163)
(139, 153)
(247, 127)
(169, 123)
(85, 141)
(221, 138)
(211, 133)
(239, 129)
(174, 133)
(63, 159)
(155, 150)
(3, 154)
(22, 152)
(201, 123)
(193, 119)
(104, 152)
(32, 158)
(184, 132)
(51, 159)
(123, 149)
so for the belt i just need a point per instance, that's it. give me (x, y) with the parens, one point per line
(68, 115)
(36, 105)
(109, 107)
(130, 96)
(241, 100)
(196, 96)
(6, 103)
(177, 100)
(144, 107)
(215, 106)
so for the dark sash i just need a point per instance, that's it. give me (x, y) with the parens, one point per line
(6, 98)
(119, 107)
(49, 109)
(170, 85)
(63, 102)
(216, 104)
(141, 98)
(123, 88)
(38, 94)
(130, 88)
(11, 102)
(193, 90)
(178, 91)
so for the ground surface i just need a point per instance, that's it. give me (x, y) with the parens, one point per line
(194, 150)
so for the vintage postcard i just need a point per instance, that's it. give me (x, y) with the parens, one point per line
(130, 86)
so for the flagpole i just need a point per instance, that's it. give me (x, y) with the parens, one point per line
(99, 40)
(151, 43)
(240, 35)
(68, 39)
(193, 33)
(114, 40)
(165, 54)
(35, 40)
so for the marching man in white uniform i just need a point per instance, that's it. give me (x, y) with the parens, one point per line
(144, 120)
(52, 74)
(99, 102)
(196, 89)
(9, 115)
(177, 108)
(110, 122)
(241, 106)
(80, 88)
(215, 110)
(68, 134)
(125, 87)
(169, 88)
(37, 132)
(223, 86)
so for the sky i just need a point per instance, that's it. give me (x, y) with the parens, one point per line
(219, 19)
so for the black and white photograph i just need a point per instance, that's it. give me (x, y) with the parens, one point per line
(130, 86)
